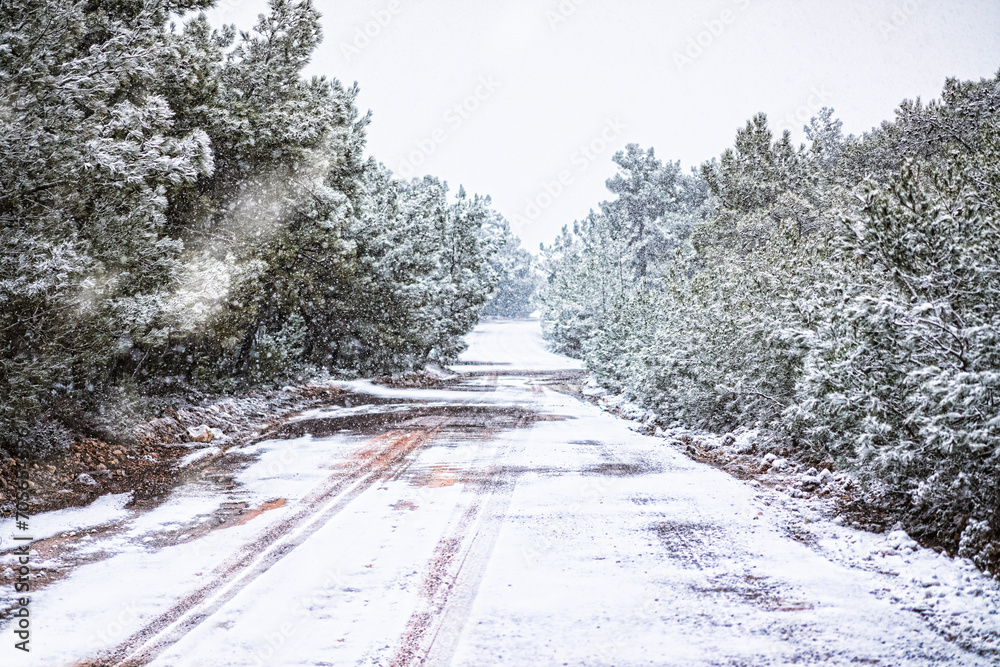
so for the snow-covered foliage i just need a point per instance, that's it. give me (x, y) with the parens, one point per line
(514, 273)
(181, 208)
(844, 293)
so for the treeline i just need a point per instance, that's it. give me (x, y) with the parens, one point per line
(844, 294)
(517, 283)
(183, 211)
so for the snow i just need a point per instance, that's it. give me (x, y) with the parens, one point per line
(493, 342)
(104, 510)
(569, 540)
(197, 455)
(597, 583)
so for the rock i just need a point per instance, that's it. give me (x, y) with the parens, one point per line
(899, 540)
(897, 535)
(809, 482)
(200, 433)
(85, 479)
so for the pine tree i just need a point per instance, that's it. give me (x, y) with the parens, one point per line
(86, 159)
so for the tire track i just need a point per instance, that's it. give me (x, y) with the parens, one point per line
(458, 565)
(385, 456)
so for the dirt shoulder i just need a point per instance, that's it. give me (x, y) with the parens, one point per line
(149, 467)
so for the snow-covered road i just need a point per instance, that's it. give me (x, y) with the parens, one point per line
(496, 521)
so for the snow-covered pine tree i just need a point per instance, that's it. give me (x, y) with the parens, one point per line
(511, 270)
(903, 380)
(86, 159)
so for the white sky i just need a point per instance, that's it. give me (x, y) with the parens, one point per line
(599, 73)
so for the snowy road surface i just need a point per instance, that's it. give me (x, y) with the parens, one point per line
(493, 522)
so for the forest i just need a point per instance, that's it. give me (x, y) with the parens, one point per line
(184, 213)
(843, 295)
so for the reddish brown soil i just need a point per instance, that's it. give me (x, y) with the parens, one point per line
(148, 468)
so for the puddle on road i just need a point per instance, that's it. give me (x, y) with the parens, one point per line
(533, 377)
(622, 469)
(393, 428)
(468, 420)
(477, 387)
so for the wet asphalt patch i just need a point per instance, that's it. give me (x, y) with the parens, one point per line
(469, 420)
(622, 469)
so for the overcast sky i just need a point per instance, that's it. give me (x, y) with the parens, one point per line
(527, 100)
